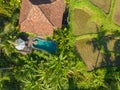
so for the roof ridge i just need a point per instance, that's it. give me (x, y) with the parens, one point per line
(45, 16)
(26, 15)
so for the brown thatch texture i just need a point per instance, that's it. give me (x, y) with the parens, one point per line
(41, 17)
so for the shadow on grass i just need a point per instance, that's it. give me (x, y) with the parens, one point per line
(66, 17)
(108, 58)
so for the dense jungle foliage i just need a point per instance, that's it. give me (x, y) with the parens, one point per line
(44, 71)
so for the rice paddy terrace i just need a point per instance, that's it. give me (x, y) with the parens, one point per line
(96, 27)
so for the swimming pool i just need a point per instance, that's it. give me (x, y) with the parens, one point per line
(46, 45)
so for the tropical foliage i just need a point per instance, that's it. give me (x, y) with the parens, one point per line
(63, 70)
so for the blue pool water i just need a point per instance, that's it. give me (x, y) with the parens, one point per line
(47, 45)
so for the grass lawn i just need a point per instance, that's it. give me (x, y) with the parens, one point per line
(98, 16)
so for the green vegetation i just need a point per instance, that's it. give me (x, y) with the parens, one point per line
(42, 70)
(92, 23)
(98, 16)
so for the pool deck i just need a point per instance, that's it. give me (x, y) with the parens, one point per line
(28, 48)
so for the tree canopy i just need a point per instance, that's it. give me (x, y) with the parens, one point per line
(41, 70)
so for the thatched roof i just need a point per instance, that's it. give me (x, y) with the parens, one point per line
(41, 16)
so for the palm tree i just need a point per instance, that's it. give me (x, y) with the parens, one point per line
(9, 28)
